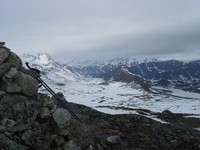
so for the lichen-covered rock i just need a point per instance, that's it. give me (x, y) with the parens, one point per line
(19, 108)
(4, 68)
(4, 53)
(12, 61)
(46, 101)
(44, 113)
(29, 85)
(8, 122)
(22, 84)
(81, 134)
(7, 143)
(12, 74)
(61, 117)
(10, 86)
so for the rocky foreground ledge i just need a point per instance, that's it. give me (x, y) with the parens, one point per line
(31, 120)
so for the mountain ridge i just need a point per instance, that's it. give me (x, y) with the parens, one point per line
(180, 74)
(183, 75)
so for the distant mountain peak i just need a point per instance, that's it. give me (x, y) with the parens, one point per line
(51, 70)
(44, 58)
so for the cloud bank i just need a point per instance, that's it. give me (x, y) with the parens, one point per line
(108, 28)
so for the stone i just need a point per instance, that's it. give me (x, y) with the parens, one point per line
(71, 145)
(8, 122)
(60, 96)
(63, 132)
(61, 117)
(2, 44)
(12, 61)
(12, 74)
(4, 68)
(2, 128)
(47, 102)
(115, 139)
(4, 53)
(52, 107)
(11, 87)
(166, 112)
(18, 127)
(90, 147)
(59, 140)
(23, 84)
(53, 136)
(19, 108)
(27, 135)
(99, 147)
(2, 93)
(44, 113)
(6, 143)
(29, 85)
(81, 133)
(44, 99)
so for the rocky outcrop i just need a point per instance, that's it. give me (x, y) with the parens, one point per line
(32, 120)
(122, 74)
(29, 120)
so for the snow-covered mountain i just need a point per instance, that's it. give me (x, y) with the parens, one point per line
(52, 71)
(102, 62)
(121, 93)
(179, 74)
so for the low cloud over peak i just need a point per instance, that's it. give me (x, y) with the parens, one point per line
(73, 29)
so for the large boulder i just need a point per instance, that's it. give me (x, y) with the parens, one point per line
(81, 133)
(12, 61)
(19, 108)
(61, 117)
(4, 53)
(18, 82)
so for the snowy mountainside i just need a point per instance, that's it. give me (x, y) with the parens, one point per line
(113, 97)
(50, 69)
(179, 74)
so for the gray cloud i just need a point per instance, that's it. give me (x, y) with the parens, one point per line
(107, 28)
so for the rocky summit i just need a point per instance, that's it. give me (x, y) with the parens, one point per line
(32, 120)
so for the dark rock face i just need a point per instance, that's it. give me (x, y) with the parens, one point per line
(31, 120)
(123, 75)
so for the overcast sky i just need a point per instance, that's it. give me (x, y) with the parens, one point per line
(66, 29)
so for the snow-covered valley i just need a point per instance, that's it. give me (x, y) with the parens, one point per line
(112, 97)
(118, 97)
